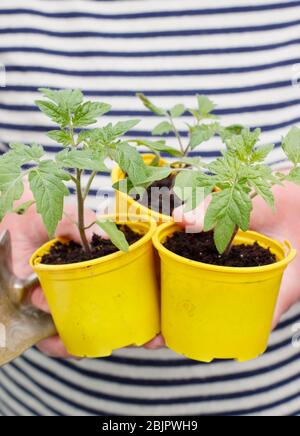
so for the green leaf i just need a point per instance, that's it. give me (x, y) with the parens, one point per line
(66, 108)
(154, 174)
(85, 135)
(250, 138)
(49, 192)
(124, 185)
(149, 105)
(223, 233)
(67, 99)
(82, 159)
(52, 167)
(227, 168)
(116, 236)
(27, 153)
(202, 133)
(192, 188)
(205, 105)
(196, 114)
(156, 160)
(177, 111)
(99, 138)
(260, 154)
(229, 205)
(54, 112)
(294, 176)
(240, 209)
(243, 146)
(232, 130)
(107, 135)
(123, 127)
(264, 191)
(9, 172)
(291, 145)
(261, 179)
(87, 113)
(63, 137)
(160, 147)
(162, 128)
(11, 186)
(131, 162)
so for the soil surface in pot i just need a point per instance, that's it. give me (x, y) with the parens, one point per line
(201, 248)
(161, 202)
(72, 252)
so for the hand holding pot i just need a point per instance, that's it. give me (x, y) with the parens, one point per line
(54, 346)
(28, 233)
(282, 224)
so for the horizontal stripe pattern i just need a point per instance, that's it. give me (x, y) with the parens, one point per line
(167, 33)
(150, 73)
(81, 391)
(160, 14)
(142, 54)
(244, 56)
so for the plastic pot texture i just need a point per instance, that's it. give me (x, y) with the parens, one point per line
(213, 312)
(108, 303)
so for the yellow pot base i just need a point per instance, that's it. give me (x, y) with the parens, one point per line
(212, 312)
(107, 352)
(201, 357)
(108, 303)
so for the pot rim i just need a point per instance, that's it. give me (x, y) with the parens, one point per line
(286, 246)
(121, 218)
(116, 172)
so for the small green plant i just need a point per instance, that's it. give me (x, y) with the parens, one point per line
(84, 150)
(239, 175)
(198, 132)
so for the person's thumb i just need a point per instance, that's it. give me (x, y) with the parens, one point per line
(68, 228)
(192, 221)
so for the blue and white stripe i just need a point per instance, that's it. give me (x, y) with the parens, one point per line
(242, 55)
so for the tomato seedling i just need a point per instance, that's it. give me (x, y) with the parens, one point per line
(84, 150)
(234, 180)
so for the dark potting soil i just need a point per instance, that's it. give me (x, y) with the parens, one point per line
(201, 248)
(72, 252)
(161, 202)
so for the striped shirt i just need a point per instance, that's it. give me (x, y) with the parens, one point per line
(244, 55)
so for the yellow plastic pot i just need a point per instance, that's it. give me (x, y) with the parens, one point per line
(126, 204)
(212, 312)
(104, 304)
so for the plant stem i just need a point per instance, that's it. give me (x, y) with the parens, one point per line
(185, 153)
(89, 184)
(80, 202)
(253, 195)
(229, 247)
(90, 225)
(177, 134)
(71, 131)
(80, 197)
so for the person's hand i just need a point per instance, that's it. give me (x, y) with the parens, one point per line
(28, 233)
(281, 225)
